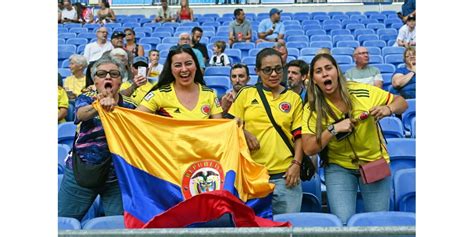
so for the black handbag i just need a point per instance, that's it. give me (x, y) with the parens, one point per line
(307, 168)
(89, 175)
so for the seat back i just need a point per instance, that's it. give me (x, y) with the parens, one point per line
(382, 219)
(402, 152)
(404, 185)
(104, 222)
(309, 219)
(409, 114)
(68, 223)
(392, 127)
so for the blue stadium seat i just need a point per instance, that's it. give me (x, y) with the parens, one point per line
(337, 38)
(413, 128)
(378, 17)
(348, 22)
(72, 25)
(394, 59)
(77, 41)
(309, 219)
(153, 25)
(390, 21)
(382, 219)
(66, 132)
(387, 80)
(313, 186)
(290, 22)
(153, 41)
(308, 51)
(385, 68)
(374, 50)
(174, 25)
(369, 21)
(307, 59)
(321, 44)
(374, 43)
(301, 18)
(296, 35)
(147, 30)
(65, 50)
(165, 29)
(353, 27)
(389, 31)
(262, 45)
(208, 28)
(254, 52)
(252, 71)
(217, 71)
(312, 32)
(253, 79)
(214, 39)
(310, 27)
(402, 152)
(297, 44)
(362, 38)
(293, 52)
(222, 33)
(340, 32)
(66, 36)
(340, 17)
(90, 36)
(131, 25)
(64, 72)
(161, 34)
(343, 59)
(388, 39)
(163, 47)
(208, 33)
(348, 43)
(105, 222)
(68, 223)
(321, 18)
(61, 41)
(342, 51)
(329, 28)
(321, 38)
(310, 22)
(375, 26)
(359, 18)
(78, 30)
(213, 24)
(352, 13)
(345, 67)
(332, 22)
(244, 47)
(375, 59)
(392, 50)
(62, 30)
(249, 60)
(235, 54)
(358, 32)
(62, 154)
(392, 127)
(221, 84)
(170, 40)
(409, 114)
(404, 185)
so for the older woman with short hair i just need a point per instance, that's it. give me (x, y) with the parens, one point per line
(75, 83)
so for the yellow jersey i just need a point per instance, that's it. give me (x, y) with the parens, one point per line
(75, 84)
(63, 101)
(140, 92)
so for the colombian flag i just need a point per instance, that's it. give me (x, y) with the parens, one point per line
(176, 173)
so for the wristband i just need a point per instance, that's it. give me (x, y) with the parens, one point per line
(296, 162)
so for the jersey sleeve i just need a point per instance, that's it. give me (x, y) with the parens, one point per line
(152, 101)
(215, 104)
(379, 96)
(308, 123)
(125, 85)
(297, 118)
(237, 108)
(63, 101)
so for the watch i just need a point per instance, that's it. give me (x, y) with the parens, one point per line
(332, 129)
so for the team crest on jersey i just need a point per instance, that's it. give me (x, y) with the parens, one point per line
(206, 109)
(285, 107)
(202, 176)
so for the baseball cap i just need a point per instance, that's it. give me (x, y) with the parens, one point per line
(274, 10)
(140, 61)
(118, 34)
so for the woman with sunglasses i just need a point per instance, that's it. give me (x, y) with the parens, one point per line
(181, 91)
(266, 145)
(131, 43)
(339, 123)
(91, 146)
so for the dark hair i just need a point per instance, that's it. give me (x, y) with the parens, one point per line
(166, 76)
(129, 29)
(304, 67)
(237, 12)
(196, 28)
(240, 65)
(60, 80)
(265, 53)
(106, 3)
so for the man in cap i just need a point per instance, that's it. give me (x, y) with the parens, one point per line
(407, 33)
(117, 39)
(140, 86)
(271, 29)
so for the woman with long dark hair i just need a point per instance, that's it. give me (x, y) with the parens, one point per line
(181, 91)
(105, 14)
(131, 43)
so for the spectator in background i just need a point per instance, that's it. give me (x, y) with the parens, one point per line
(239, 77)
(219, 58)
(185, 13)
(185, 39)
(140, 85)
(196, 35)
(332, 108)
(407, 33)
(240, 30)
(281, 47)
(94, 50)
(75, 83)
(63, 101)
(131, 43)
(105, 14)
(404, 78)
(297, 74)
(323, 50)
(272, 29)
(164, 13)
(363, 72)
(91, 145)
(181, 92)
(155, 66)
(124, 57)
(84, 13)
(265, 144)
(117, 39)
(69, 13)
(408, 9)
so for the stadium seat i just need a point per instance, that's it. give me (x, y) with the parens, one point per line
(409, 114)
(378, 17)
(392, 127)
(221, 84)
(313, 186)
(235, 54)
(342, 51)
(340, 32)
(63, 151)
(374, 43)
(309, 219)
(345, 67)
(62, 30)
(404, 184)
(153, 41)
(374, 50)
(244, 47)
(90, 36)
(217, 71)
(308, 51)
(413, 128)
(382, 219)
(354, 26)
(310, 203)
(348, 43)
(347, 22)
(358, 32)
(369, 21)
(375, 26)
(392, 50)
(66, 132)
(343, 59)
(320, 32)
(78, 30)
(359, 18)
(390, 21)
(321, 38)
(394, 59)
(297, 44)
(253, 80)
(68, 223)
(362, 38)
(389, 31)
(313, 14)
(64, 72)
(402, 152)
(337, 38)
(385, 68)
(352, 13)
(375, 59)
(321, 44)
(310, 22)
(170, 40)
(249, 60)
(77, 41)
(321, 18)
(340, 17)
(307, 59)
(332, 22)
(309, 27)
(296, 35)
(293, 52)
(262, 45)
(214, 39)
(105, 222)
(329, 28)
(146, 30)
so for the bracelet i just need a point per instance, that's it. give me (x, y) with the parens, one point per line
(296, 162)
(389, 109)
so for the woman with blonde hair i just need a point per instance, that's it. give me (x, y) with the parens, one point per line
(185, 13)
(340, 123)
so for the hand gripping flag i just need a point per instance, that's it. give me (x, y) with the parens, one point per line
(176, 173)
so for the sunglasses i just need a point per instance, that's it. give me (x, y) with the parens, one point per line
(269, 70)
(112, 73)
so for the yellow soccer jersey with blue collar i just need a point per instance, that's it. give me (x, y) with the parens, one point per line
(287, 110)
(139, 93)
(364, 138)
(165, 102)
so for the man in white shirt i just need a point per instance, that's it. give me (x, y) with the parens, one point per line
(164, 13)
(362, 72)
(94, 50)
(407, 33)
(69, 13)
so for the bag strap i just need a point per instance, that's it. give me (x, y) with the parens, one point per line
(270, 116)
(379, 130)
